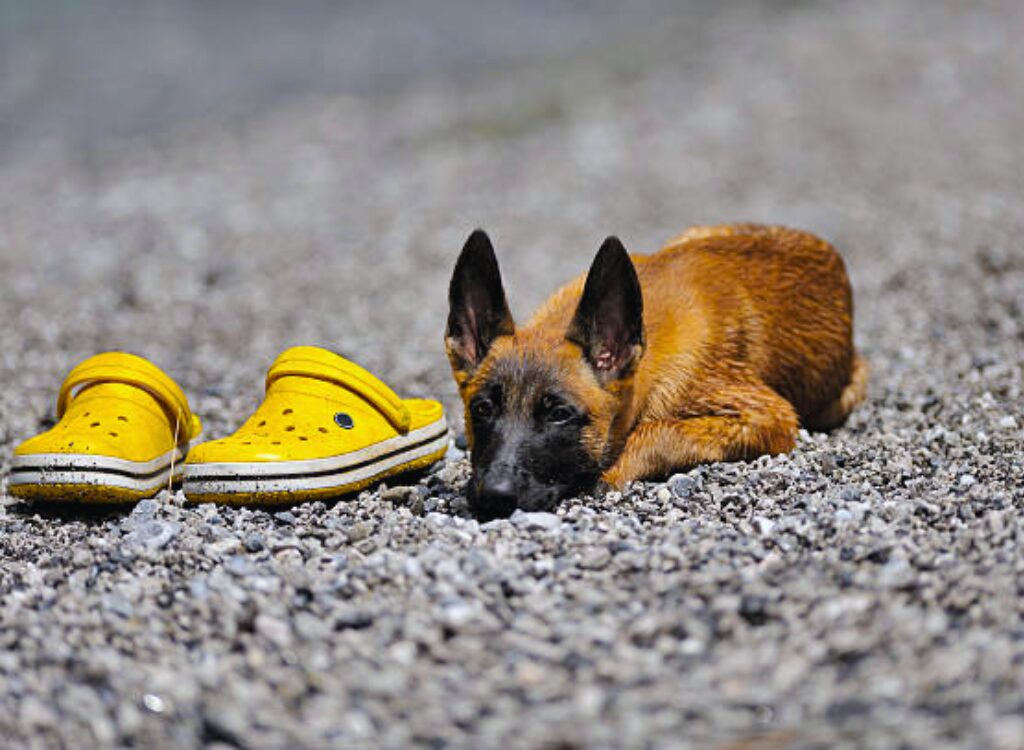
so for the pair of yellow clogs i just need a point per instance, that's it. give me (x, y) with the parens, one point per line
(326, 427)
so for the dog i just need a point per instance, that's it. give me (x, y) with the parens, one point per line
(719, 347)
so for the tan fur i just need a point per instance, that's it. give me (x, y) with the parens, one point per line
(748, 335)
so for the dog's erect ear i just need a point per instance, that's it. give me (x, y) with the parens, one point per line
(609, 321)
(478, 310)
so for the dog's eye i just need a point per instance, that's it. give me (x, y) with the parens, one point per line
(482, 408)
(561, 414)
(556, 410)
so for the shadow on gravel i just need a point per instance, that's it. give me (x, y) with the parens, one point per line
(414, 492)
(91, 514)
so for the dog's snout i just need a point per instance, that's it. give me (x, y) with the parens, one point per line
(497, 495)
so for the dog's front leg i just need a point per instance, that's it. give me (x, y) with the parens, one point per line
(743, 421)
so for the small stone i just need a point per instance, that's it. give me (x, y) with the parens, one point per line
(238, 565)
(153, 703)
(536, 520)
(450, 474)
(398, 495)
(274, 630)
(683, 486)
(358, 531)
(967, 480)
(438, 519)
(254, 542)
(412, 567)
(118, 605)
(595, 558)
(1009, 422)
(850, 494)
(896, 573)
(289, 556)
(153, 535)
(416, 504)
(842, 516)
(664, 494)
(198, 588)
(285, 516)
(457, 613)
(763, 526)
(144, 508)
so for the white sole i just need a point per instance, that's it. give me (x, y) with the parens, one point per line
(273, 477)
(47, 469)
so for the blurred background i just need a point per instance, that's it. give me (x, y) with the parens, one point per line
(206, 183)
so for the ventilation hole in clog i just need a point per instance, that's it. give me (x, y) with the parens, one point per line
(303, 438)
(122, 418)
(71, 444)
(322, 429)
(85, 415)
(112, 434)
(290, 428)
(246, 442)
(275, 442)
(95, 424)
(262, 424)
(286, 412)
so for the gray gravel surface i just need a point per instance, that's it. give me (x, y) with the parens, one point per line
(864, 591)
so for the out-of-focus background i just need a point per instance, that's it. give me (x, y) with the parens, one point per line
(207, 183)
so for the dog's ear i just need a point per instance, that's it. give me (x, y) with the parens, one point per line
(608, 324)
(478, 310)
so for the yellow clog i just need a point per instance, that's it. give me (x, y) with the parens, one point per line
(123, 433)
(326, 427)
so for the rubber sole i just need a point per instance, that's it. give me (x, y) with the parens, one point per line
(85, 478)
(285, 482)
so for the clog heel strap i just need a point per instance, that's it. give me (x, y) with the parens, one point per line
(314, 362)
(129, 369)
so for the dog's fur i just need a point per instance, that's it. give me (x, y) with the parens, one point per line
(716, 348)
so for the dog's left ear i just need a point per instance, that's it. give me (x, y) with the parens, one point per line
(608, 324)
(478, 309)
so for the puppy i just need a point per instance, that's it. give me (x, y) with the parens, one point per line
(717, 348)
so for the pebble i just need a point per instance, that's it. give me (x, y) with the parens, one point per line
(683, 486)
(595, 558)
(153, 534)
(398, 495)
(536, 520)
(275, 630)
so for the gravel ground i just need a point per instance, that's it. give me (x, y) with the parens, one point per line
(863, 591)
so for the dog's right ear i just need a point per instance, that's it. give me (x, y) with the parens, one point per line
(608, 325)
(478, 310)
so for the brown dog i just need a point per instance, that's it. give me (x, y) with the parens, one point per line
(716, 348)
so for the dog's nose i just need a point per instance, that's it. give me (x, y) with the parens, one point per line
(497, 497)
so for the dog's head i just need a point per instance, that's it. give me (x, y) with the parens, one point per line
(547, 407)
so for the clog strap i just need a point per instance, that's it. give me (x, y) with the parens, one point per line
(314, 362)
(128, 369)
